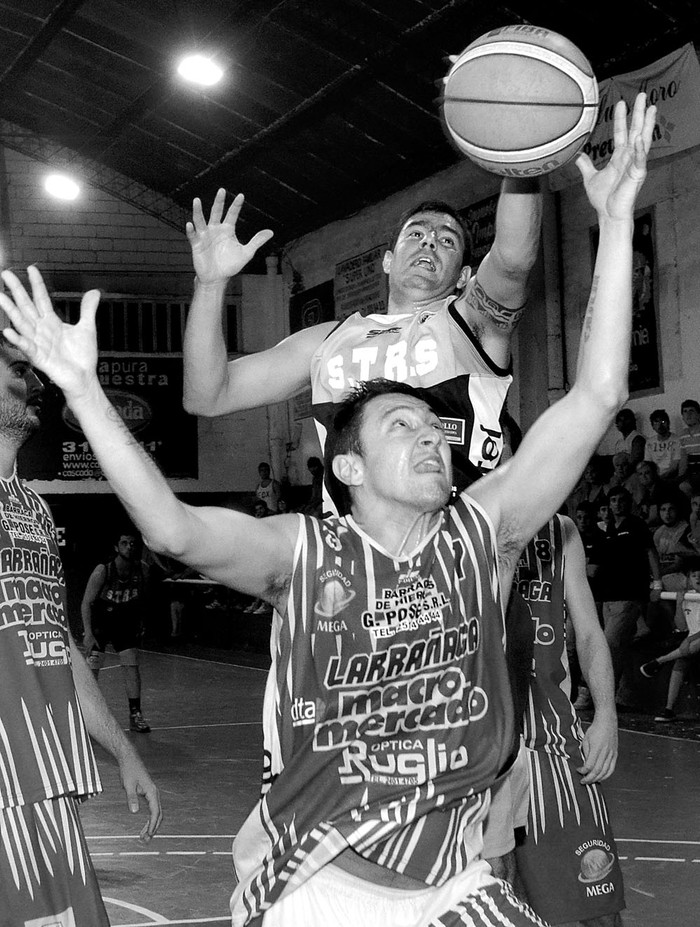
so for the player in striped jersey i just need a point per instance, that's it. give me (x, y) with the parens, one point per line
(48, 700)
(568, 859)
(388, 714)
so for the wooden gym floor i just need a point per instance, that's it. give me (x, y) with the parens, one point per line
(205, 754)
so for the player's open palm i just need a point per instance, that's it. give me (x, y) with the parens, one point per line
(67, 354)
(217, 254)
(613, 190)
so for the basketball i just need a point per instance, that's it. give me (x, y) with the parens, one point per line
(520, 101)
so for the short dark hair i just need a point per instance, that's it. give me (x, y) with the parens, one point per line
(620, 491)
(435, 206)
(344, 437)
(690, 404)
(659, 415)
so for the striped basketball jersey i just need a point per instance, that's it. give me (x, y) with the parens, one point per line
(45, 751)
(387, 713)
(550, 723)
(433, 350)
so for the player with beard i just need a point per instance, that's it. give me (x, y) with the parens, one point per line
(49, 702)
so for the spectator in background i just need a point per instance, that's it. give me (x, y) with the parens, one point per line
(268, 490)
(603, 514)
(688, 623)
(694, 522)
(672, 537)
(624, 476)
(630, 440)
(664, 449)
(591, 488)
(630, 561)
(689, 469)
(113, 613)
(650, 493)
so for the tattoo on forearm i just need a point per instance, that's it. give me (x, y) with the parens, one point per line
(588, 320)
(500, 316)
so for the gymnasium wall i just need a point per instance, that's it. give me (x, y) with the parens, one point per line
(99, 241)
(562, 279)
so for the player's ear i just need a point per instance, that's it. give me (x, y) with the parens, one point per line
(386, 261)
(348, 469)
(464, 275)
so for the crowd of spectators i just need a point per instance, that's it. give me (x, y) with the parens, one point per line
(637, 513)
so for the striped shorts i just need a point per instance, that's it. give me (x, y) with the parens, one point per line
(474, 898)
(46, 876)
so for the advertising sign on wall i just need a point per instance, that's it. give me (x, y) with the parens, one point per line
(360, 284)
(147, 392)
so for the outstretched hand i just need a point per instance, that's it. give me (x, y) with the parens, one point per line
(67, 354)
(613, 190)
(217, 253)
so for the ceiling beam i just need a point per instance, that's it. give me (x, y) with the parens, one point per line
(317, 102)
(61, 14)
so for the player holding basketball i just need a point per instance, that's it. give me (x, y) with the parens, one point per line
(388, 713)
(446, 331)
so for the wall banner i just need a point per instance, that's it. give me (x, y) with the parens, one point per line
(360, 284)
(673, 84)
(147, 392)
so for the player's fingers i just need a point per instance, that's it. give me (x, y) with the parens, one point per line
(198, 220)
(585, 166)
(234, 209)
(19, 294)
(620, 125)
(648, 127)
(258, 240)
(217, 207)
(88, 307)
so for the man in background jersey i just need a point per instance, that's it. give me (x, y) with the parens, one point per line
(388, 713)
(113, 613)
(567, 859)
(49, 701)
(445, 331)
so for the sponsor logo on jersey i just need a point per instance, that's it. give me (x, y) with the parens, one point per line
(596, 863)
(399, 762)
(414, 602)
(303, 712)
(44, 648)
(455, 429)
(382, 331)
(335, 595)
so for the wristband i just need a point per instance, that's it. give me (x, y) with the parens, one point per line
(656, 585)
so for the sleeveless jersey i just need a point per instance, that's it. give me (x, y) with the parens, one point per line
(45, 751)
(433, 350)
(122, 593)
(387, 713)
(269, 494)
(550, 722)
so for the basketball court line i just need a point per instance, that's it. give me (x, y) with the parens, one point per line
(182, 656)
(197, 727)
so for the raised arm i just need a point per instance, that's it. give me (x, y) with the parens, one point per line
(253, 555)
(213, 385)
(493, 302)
(529, 489)
(600, 740)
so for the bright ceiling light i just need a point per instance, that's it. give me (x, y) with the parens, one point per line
(200, 70)
(62, 187)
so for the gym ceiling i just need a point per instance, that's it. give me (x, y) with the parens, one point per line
(325, 107)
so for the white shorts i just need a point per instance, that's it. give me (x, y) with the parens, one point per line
(510, 799)
(335, 898)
